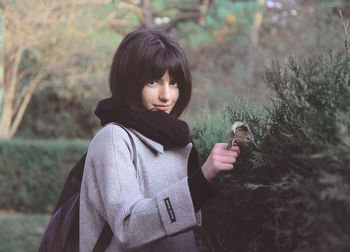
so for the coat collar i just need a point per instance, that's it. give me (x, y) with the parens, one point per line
(153, 144)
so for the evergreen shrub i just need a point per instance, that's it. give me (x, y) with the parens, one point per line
(32, 172)
(290, 189)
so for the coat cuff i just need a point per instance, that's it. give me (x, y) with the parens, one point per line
(176, 208)
(201, 190)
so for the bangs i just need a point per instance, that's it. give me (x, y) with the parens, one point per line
(165, 60)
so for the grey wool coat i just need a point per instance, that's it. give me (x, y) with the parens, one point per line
(142, 194)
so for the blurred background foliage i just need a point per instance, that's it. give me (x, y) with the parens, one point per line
(57, 54)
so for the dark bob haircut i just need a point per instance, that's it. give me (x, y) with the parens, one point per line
(142, 57)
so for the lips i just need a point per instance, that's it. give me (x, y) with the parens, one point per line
(164, 108)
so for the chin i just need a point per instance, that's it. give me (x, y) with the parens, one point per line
(166, 111)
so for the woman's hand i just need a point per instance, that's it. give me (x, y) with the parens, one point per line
(219, 160)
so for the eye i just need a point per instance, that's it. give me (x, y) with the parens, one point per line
(173, 83)
(152, 83)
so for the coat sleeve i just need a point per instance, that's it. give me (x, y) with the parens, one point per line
(135, 221)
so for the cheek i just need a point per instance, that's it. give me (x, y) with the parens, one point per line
(176, 95)
(146, 96)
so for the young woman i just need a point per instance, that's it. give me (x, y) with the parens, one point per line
(142, 175)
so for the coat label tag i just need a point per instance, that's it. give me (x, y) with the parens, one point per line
(170, 210)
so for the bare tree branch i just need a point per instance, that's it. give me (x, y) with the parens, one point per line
(15, 68)
(116, 23)
(32, 86)
(183, 17)
(183, 8)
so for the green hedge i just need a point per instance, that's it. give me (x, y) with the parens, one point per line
(32, 172)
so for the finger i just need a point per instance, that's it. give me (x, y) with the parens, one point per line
(227, 159)
(225, 167)
(222, 150)
(230, 154)
(234, 148)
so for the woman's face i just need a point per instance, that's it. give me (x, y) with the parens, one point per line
(161, 94)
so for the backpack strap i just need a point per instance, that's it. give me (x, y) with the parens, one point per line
(106, 234)
(132, 143)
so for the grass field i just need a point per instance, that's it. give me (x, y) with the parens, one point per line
(21, 232)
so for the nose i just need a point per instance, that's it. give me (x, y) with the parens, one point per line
(164, 93)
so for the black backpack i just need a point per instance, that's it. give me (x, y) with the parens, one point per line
(62, 233)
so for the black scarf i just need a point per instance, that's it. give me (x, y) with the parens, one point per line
(156, 125)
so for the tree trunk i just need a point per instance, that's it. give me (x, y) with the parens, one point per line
(147, 11)
(9, 90)
(250, 61)
(24, 104)
(6, 115)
